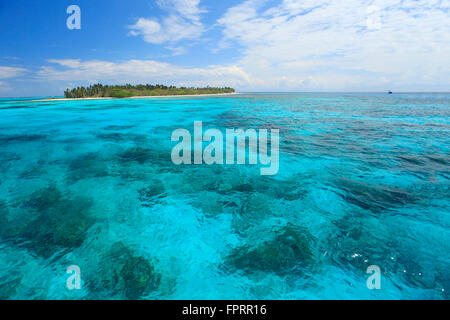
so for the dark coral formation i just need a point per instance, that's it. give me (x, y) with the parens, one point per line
(145, 155)
(90, 165)
(10, 156)
(33, 172)
(21, 138)
(355, 244)
(251, 210)
(135, 154)
(44, 199)
(124, 274)
(292, 189)
(50, 222)
(118, 127)
(117, 137)
(9, 285)
(374, 197)
(152, 193)
(288, 251)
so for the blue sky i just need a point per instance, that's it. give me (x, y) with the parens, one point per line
(252, 45)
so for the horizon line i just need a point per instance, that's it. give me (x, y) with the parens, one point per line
(280, 92)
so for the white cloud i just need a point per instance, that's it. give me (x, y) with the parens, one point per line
(11, 72)
(177, 51)
(327, 45)
(11, 58)
(142, 71)
(4, 88)
(189, 9)
(70, 63)
(145, 27)
(181, 23)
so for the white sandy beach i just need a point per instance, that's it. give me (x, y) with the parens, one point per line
(136, 97)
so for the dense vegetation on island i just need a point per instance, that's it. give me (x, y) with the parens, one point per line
(128, 90)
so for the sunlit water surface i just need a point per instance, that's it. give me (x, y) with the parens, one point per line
(363, 180)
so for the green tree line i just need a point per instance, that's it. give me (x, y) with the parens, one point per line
(128, 90)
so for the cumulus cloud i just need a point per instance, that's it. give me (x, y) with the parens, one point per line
(342, 45)
(189, 9)
(182, 22)
(11, 72)
(141, 71)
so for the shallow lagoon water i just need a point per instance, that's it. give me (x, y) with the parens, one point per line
(363, 180)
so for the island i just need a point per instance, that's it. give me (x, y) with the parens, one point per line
(128, 91)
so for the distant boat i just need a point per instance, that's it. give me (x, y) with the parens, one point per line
(390, 92)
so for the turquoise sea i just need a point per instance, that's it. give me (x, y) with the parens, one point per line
(363, 180)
